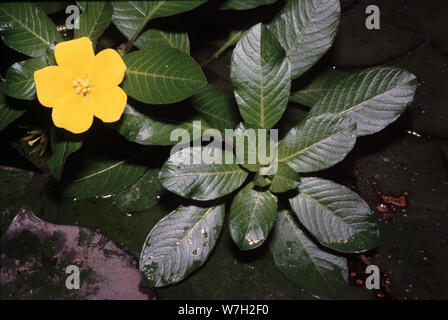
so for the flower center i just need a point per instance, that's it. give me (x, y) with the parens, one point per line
(81, 86)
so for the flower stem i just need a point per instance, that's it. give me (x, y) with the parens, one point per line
(223, 48)
(136, 33)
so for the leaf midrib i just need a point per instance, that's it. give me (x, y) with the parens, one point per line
(182, 239)
(97, 19)
(100, 172)
(25, 27)
(309, 147)
(359, 105)
(142, 73)
(325, 208)
(297, 232)
(146, 18)
(251, 216)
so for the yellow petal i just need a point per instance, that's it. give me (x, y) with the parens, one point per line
(75, 56)
(52, 83)
(73, 113)
(107, 69)
(108, 103)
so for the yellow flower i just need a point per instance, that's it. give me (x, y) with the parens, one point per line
(82, 85)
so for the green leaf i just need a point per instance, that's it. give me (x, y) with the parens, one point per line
(261, 76)
(306, 29)
(63, 144)
(335, 215)
(179, 244)
(189, 174)
(7, 114)
(262, 180)
(103, 177)
(284, 179)
(144, 194)
(216, 108)
(157, 38)
(311, 93)
(243, 5)
(130, 17)
(245, 142)
(318, 143)
(151, 128)
(82, 4)
(301, 261)
(252, 216)
(26, 29)
(94, 20)
(373, 98)
(253, 147)
(20, 78)
(161, 75)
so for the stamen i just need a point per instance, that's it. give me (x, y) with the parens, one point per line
(32, 142)
(81, 86)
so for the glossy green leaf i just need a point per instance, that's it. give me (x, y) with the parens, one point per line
(335, 215)
(261, 76)
(318, 143)
(306, 29)
(252, 216)
(216, 108)
(144, 194)
(82, 4)
(161, 75)
(63, 144)
(284, 179)
(130, 17)
(179, 244)
(253, 147)
(262, 180)
(26, 29)
(194, 173)
(245, 145)
(94, 19)
(304, 263)
(103, 177)
(151, 128)
(243, 4)
(20, 78)
(373, 98)
(309, 94)
(7, 113)
(154, 38)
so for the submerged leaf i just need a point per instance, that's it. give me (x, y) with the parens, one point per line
(179, 244)
(301, 261)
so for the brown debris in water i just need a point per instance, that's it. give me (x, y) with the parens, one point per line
(390, 205)
(401, 201)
